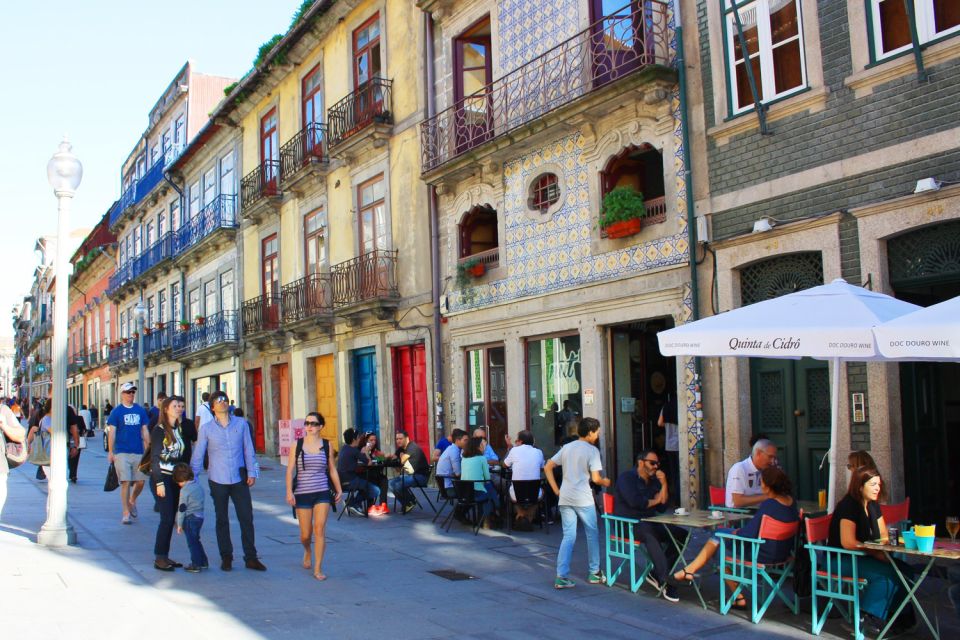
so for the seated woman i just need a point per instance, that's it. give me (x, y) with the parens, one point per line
(857, 518)
(473, 466)
(370, 451)
(779, 505)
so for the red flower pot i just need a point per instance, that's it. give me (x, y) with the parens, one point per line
(623, 229)
(478, 270)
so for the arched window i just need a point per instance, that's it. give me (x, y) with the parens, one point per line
(478, 231)
(639, 167)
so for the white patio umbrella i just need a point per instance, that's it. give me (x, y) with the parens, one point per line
(927, 334)
(832, 322)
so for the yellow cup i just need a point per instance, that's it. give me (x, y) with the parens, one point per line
(924, 530)
(822, 498)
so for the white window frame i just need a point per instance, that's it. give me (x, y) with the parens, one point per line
(227, 291)
(926, 27)
(765, 51)
(194, 200)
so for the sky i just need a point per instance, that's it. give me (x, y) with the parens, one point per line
(92, 70)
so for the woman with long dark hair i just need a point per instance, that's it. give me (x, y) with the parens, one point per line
(168, 448)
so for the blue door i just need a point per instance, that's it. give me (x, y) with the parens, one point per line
(365, 390)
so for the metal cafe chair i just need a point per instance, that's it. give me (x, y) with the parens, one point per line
(467, 503)
(528, 494)
(834, 577)
(621, 545)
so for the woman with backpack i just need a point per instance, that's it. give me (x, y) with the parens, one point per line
(313, 485)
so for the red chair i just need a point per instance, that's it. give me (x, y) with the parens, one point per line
(894, 513)
(718, 501)
(827, 578)
(621, 545)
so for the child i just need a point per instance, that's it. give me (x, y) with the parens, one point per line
(190, 516)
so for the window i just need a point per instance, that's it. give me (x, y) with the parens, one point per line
(314, 226)
(178, 130)
(161, 225)
(268, 137)
(772, 32)
(106, 323)
(96, 327)
(194, 303)
(478, 231)
(210, 296)
(553, 377)
(162, 306)
(209, 186)
(154, 154)
(269, 266)
(312, 108)
(150, 237)
(890, 23)
(165, 142)
(137, 240)
(176, 304)
(194, 199)
(640, 168)
(544, 191)
(226, 291)
(226, 175)
(175, 215)
(473, 71)
(372, 218)
(151, 311)
(366, 52)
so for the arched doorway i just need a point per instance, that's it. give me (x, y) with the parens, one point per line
(790, 399)
(924, 268)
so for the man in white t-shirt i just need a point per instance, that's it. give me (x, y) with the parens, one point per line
(526, 462)
(581, 465)
(743, 480)
(204, 412)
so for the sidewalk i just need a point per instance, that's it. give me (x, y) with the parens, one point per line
(380, 582)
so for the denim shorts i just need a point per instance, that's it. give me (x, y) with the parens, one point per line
(310, 500)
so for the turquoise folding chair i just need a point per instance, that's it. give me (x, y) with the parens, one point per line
(622, 546)
(827, 568)
(738, 563)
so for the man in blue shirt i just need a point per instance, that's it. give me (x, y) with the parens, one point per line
(125, 445)
(232, 470)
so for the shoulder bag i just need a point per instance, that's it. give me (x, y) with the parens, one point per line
(40, 449)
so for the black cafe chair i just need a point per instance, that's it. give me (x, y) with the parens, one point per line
(413, 491)
(350, 496)
(467, 503)
(445, 498)
(529, 494)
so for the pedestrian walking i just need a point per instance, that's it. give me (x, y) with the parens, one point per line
(10, 431)
(317, 487)
(190, 516)
(40, 425)
(168, 448)
(232, 471)
(581, 465)
(76, 442)
(125, 445)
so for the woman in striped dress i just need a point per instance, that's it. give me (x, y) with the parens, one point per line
(317, 487)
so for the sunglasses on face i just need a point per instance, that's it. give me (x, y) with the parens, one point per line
(311, 423)
(655, 463)
(221, 400)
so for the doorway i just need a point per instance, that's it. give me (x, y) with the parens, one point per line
(327, 398)
(365, 391)
(410, 393)
(280, 388)
(255, 401)
(486, 394)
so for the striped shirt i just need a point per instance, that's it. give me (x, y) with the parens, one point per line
(312, 473)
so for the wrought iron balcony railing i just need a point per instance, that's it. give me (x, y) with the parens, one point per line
(370, 276)
(630, 39)
(262, 182)
(156, 253)
(308, 146)
(308, 297)
(261, 314)
(158, 340)
(220, 213)
(367, 104)
(120, 277)
(139, 190)
(217, 329)
(124, 352)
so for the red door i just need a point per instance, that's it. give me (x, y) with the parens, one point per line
(256, 384)
(410, 393)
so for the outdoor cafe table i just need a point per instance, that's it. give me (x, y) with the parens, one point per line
(695, 519)
(943, 550)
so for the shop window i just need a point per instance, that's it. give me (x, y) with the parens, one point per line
(486, 393)
(544, 192)
(640, 168)
(478, 233)
(890, 23)
(553, 387)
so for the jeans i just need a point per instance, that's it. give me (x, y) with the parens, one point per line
(485, 502)
(654, 537)
(191, 530)
(883, 591)
(569, 516)
(73, 462)
(168, 515)
(372, 491)
(239, 493)
(401, 486)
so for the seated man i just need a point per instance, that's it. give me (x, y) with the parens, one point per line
(347, 464)
(415, 470)
(441, 446)
(642, 493)
(448, 467)
(526, 461)
(743, 480)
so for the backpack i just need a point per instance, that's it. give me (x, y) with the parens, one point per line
(298, 461)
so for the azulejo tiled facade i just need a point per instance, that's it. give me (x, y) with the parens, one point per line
(528, 29)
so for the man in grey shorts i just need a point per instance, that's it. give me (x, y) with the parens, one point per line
(125, 445)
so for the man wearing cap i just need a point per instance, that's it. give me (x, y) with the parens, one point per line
(125, 446)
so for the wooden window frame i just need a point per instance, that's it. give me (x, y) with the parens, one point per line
(264, 257)
(368, 48)
(926, 29)
(361, 209)
(307, 97)
(310, 236)
(271, 133)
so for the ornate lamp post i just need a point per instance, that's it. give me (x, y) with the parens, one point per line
(139, 312)
(64, 172)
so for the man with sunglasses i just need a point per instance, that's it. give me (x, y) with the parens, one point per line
(125, 445)
(743, 480)
(232, 470)
(642, 493)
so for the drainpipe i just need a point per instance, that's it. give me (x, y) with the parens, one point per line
(691, 229)
(434, 230)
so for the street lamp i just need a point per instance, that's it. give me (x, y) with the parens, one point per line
(139, 312)
(64, 172)
(30, 361)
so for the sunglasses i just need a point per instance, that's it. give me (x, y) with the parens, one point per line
(221, 399)
(311, 423)
(655, 463)
(131, 392)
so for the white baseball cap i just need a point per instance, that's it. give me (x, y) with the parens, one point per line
(128, 386)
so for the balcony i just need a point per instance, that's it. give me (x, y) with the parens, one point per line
(303, 159)
(157, 343)
(123, 355)
(308, 303)
(213, 227)
(208, 340)
(489, 258)
(261, 321)
(367, 283)
(591, 74)
(260, 193)
(362, 120)
(120, 278)
(138, 191)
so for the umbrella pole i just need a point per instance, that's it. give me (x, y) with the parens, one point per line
(834, 419)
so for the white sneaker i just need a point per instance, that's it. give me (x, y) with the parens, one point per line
(355, 511)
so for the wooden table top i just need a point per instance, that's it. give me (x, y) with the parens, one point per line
(698, 518)
(938, 552)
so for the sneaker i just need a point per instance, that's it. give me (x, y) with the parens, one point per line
(383, 509)
(133, 511)
(652, 581)
(597, 578)
(377, 510)
(355, 511)
(410, 506)
(564, 583)
(670, 594)
(125, 520)
(192, 569)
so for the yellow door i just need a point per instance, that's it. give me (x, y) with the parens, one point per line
(327, 399)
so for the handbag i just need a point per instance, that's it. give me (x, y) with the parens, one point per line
(145, 461)
(16, 452)
(112, 481)
(40, 449)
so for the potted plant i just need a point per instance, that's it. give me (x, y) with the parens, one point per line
(467, 269)
(146, 331)
(184, 325)
(161, 325)
(135, 335)
(622, 212)
(199, 319)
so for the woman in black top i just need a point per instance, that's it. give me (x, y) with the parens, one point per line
(168, 447)
(857, 518)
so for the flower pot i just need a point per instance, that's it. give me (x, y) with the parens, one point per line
(623, 229)
(478, 270)
(200, 320)
(184, 326)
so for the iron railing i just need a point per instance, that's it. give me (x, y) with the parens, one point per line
(261, 314)
(138, 190)
(367, 104)
(307, 297)
(260, 183)
(308, 146)
(216, 329)
(120, 277)
(124, 352)
(156, 253)
(157, 340)
(220, 213)
(370, 276)
(630, 39)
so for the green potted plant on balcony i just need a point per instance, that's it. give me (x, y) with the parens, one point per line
(467, 269)
(184, 325)
(621, 213)
(199, 319)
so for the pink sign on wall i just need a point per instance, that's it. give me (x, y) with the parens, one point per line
(289, 432)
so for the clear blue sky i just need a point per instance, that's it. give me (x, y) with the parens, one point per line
(92, 70)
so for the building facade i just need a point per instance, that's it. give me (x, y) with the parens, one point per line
(33, 326)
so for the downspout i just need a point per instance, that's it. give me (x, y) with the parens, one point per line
(434, 233)
(691, 233)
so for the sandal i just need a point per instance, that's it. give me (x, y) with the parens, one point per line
(687, 576)
(740, 603)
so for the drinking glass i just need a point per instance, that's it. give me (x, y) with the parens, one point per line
(953, 525)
